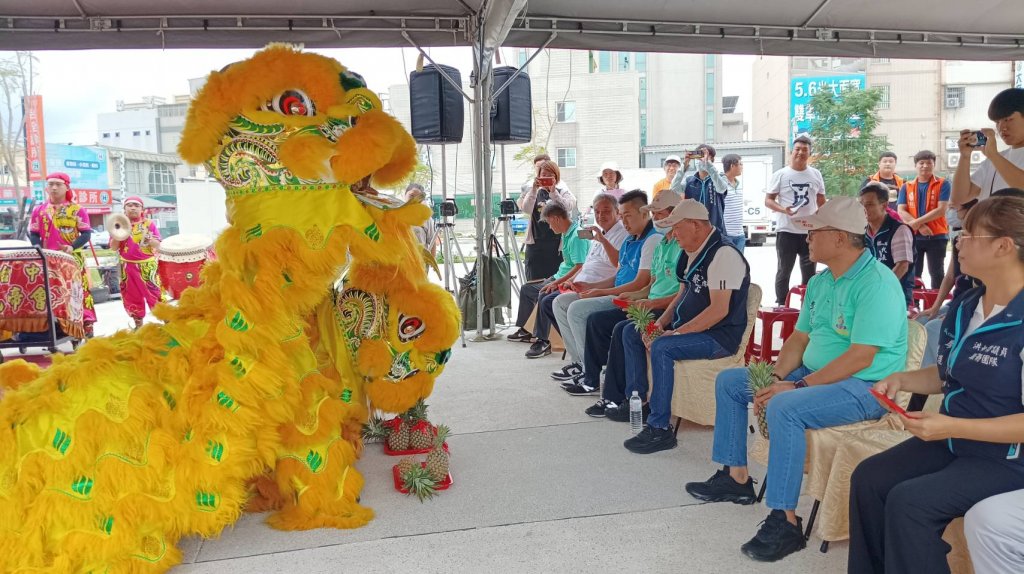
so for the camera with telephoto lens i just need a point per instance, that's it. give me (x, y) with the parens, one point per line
(449, 208)
(508, 207)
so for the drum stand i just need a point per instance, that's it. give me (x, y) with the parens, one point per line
(449, 243)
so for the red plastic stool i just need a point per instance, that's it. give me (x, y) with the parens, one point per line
(925, 296)
(918, 283)
(800, 291)
(769, 316)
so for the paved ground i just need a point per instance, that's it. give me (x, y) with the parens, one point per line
(539, 487)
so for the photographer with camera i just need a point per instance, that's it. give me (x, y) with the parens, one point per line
(707, 186)
(542, 256)
(999, 170)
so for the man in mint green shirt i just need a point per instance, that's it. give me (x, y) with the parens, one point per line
(574, 251)
(852, 332)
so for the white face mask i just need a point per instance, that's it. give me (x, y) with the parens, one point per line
(660, 228)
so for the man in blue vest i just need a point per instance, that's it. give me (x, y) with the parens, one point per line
(851, 333)
(707, 186)
(889, 240)
(705, 320)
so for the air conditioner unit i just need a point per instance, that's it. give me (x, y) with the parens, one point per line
(977, 157)
(952, 102)
(953, 160)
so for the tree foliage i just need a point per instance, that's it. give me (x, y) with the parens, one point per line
(846, 147)
(16, 79)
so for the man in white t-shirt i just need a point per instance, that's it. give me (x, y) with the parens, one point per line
(999, 170)
(796, 190)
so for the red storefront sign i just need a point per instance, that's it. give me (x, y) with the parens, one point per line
(35, 142)
(95, 200)
(10, 193)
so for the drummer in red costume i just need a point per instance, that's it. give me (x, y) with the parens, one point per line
(61, 224)
(140, 285)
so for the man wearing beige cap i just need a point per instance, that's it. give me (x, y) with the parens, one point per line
(705, 320)
(852, 332)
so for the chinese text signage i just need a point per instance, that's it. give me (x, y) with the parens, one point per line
(802, 89)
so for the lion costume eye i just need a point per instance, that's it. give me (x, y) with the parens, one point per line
(291, 103)
(409, 328)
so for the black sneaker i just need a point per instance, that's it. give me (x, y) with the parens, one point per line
(650, 440)
(578, 388)
(621, 414)
(568, 372)
(776, 539)
(521, 336)
(539, 349)
(598, 409)
(722, 488)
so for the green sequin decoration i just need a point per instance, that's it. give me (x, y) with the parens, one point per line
(239, 367)
(346, 395)
(315, 461)
(107, 524)
(61, 441)
(225, 400)
(170, 400)
(253, 232)
(82, 486)
(443, 357)
(215, 450)
(238, 322)
(372, 232)
(206, 501)
(287, 279)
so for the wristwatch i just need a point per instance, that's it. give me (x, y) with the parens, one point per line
(800, 384)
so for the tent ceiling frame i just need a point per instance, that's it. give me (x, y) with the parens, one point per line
(838, 35)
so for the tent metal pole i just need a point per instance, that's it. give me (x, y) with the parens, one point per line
(519, 70)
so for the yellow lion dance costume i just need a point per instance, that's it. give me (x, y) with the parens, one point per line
(254, 389)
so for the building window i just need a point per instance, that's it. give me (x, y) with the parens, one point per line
(709, 89)
(161, 180)
(880, 60)
(566, 157)
(884, 101)
(643, 129)
(117, 134)
(954, 97)
(641, 62)
(709, 125)
(643, 93)
(624, 59)
(147, 132)
(565, 112)
(135, 181)
(604, 61)
(523, 57)
(106, 135)
(136, 133)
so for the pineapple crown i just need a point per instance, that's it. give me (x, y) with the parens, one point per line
(640, 316)
(442, 435)
(760, 374)
(417, 480)
(416, 413)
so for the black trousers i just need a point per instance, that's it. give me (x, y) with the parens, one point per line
(600, 328)
(529, 294)
(934, 249)
(545, 316)
(542, 260)
(901, 501)
(787, 247)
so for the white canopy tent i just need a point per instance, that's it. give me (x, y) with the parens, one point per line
(935, 29)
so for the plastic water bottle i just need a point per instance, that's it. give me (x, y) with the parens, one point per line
(636, 417)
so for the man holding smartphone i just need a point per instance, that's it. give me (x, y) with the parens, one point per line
(999, 170)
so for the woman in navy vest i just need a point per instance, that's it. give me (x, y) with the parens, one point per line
(902, 499)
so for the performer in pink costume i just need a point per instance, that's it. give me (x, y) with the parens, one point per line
(140, 284)
(61, 224)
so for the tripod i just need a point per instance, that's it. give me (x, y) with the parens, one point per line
(508, 209)
(449, 243)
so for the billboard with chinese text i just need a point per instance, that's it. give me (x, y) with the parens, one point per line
(802, 89)
(35, 142)
(87, 167)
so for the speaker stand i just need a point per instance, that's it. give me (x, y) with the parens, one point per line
(449, 243)
(509, 235)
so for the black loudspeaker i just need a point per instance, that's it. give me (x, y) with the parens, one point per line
(436, 106)
(512, 110)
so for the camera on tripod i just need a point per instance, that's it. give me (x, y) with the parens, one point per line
(508, 207)
(449, 208)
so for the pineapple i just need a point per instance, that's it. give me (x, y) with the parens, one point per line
(375, 430)
(398, 438)
(421, 436)
(416, 480)
(438, 458)
(405, 464)
(760, 375)
(417, 413)
(644, 321)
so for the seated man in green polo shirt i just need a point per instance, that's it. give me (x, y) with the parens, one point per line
(574, 251)
(852, 332)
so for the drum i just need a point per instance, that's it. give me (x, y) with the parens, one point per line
(23, 291)
(180, 259)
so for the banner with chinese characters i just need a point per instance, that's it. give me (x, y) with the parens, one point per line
(802, 89)
(35, 142)
(1018, 74)
(88, 168)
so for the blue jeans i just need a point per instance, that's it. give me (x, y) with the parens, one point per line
(665, 351)
(789, 415)
(740, 241)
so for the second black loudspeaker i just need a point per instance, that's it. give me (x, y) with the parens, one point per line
(511, 110)
(436, 107)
